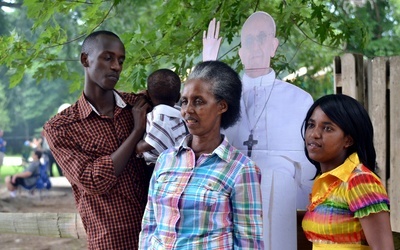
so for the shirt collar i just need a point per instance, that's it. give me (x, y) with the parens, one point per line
(327, 182)
(168, 110)
(344, 171)
(223, 151)
(87, 107)
(265, 80)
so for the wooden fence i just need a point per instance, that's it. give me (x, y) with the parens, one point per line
(59, 225)
(376, 84)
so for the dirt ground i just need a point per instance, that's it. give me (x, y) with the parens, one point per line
(55, 200)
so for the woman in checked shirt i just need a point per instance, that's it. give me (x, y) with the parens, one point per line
(205, 194)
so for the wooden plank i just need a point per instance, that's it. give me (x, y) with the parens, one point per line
(361, 81)
(377, 110)
(59, 225)
(348, 65)
(337, 80)
(394, 113)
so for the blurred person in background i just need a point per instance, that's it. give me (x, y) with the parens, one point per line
(3, 144)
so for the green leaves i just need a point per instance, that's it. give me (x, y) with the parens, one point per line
(160, 33)
(40, 43)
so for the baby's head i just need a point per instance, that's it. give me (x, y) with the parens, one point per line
(163, 87)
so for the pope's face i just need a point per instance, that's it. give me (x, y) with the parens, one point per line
(258, 42)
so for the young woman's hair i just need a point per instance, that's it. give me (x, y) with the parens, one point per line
(354, 120)
(226, 85)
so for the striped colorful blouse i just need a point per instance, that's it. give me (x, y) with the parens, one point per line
(338, 199)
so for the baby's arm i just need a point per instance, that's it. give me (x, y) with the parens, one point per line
(142, 146)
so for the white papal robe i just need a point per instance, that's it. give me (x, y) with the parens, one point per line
(279, 152)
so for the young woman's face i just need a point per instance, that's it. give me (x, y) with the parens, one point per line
(200, 109)
(325, 141)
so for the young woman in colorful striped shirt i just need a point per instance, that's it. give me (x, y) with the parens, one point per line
(349, 207)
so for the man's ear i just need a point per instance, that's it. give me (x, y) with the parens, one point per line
(84, 59)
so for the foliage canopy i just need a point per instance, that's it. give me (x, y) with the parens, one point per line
(40, 43)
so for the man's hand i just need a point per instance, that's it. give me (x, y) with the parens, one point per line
(139, 110)
(211, 42)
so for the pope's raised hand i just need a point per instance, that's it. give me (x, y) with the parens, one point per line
(211, 41)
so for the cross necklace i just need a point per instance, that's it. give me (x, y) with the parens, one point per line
(250, 141)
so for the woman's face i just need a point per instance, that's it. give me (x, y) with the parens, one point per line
(200, 109)
(325, 141)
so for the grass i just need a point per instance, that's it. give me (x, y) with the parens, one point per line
(10, 170)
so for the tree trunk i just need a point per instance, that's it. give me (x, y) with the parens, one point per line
(59, 225)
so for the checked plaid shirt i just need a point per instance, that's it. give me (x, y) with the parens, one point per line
(213, 202)
(82, 141)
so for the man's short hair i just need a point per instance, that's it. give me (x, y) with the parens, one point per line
(38, 153)
(90, 40)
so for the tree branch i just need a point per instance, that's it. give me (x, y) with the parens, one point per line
(11, 5)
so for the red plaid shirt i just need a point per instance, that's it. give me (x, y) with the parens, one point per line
(111, 207)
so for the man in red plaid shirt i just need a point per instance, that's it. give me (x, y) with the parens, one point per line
(94, 142)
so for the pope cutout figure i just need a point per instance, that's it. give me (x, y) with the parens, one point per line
(270, 129)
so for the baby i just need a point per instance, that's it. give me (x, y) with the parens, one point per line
(165, 127)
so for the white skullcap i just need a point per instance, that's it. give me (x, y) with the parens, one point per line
(63, 106)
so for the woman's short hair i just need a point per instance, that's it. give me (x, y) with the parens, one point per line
(226, 85)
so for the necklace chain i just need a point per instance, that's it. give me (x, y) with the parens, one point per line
(262, 111)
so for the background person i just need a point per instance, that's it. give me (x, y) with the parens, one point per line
(3, 144)
(50, 158)
(205, 194)
(94, 141)
(349, 206)
(47, 151)
(269, 129)
(26, 178)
